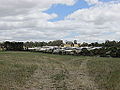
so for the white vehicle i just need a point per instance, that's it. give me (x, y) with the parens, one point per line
(34, 49)
(48, 49)
(56, 51)
(31, 49)
(43, 49)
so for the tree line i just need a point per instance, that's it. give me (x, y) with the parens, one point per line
(40, 44)
(109, 48)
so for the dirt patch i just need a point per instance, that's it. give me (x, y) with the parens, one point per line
(57, 75)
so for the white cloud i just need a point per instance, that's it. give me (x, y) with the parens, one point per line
(24, 20)
(95, 22)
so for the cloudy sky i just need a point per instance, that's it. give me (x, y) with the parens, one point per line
(44, 20)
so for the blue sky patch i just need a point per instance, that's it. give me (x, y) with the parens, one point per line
(64, 10)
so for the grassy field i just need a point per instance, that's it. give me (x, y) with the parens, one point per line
(37, 71)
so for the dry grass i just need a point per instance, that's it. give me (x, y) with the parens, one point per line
(106, 72)
(37, 71)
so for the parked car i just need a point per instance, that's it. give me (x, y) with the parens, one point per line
(48, 49)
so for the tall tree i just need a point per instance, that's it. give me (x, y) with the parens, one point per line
(75, 41)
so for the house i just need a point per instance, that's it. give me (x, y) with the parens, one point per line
(71, 44)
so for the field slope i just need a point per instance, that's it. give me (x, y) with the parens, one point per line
(37, 71)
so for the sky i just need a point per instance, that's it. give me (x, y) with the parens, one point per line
(45, 20)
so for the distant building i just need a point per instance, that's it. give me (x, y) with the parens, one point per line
(67, 45)
(71, 45)
(76, 45)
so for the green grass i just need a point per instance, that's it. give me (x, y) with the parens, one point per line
(17, 68)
